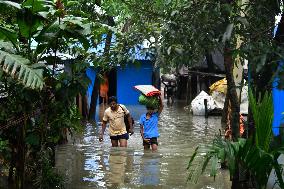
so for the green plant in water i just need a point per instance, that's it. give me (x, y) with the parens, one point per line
(69, 119)
(47, 176)
(255, 155)
(4, 155)
(29, 43)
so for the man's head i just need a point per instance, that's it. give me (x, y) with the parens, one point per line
(112, 102)
(150, 109)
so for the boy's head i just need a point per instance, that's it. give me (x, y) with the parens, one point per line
(150, 109)
(112, 102)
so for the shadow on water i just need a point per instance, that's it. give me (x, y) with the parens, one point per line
(87, 163)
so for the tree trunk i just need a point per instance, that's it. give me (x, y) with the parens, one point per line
(225, 109)
(94, 98)
(238, 180)
(85, 107)
(21, 160)
(188, 89)
(233, 97)
(12, 161)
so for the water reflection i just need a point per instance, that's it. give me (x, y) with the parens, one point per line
(119, 163)
(150, 168)
(90, 164)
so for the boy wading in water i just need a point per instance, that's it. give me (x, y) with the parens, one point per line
(117, 129)
(149, 126)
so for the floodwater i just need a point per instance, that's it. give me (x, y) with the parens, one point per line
(88, 163)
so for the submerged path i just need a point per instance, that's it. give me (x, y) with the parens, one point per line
(87, 163)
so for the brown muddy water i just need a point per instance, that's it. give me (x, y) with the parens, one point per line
(88, 163)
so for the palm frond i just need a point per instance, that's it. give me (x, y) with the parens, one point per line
(31, 75)
(11, 4)
(263, 116)
(9, 35)
(221, 151)
(7, 47)
(192, 157)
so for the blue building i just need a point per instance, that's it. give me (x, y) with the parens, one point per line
(278, 100)
(121, 84)
(278, 104)
(122, 80)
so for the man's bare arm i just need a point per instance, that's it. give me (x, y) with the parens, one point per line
(101, 137)
(131, 129)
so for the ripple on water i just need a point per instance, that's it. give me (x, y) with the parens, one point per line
(92, 164)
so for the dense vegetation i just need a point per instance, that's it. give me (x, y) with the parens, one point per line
(37, 87)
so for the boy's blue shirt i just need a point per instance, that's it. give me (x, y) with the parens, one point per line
(150, 125)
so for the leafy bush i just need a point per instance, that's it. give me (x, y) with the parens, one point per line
(254, 154)
(48, 177)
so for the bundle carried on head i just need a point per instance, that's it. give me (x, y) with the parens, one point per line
(149, 95)
(149, 101)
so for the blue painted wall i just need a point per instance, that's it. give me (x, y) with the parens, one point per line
(130, 76)
(91, 73)
(278, 103)
(127, 77)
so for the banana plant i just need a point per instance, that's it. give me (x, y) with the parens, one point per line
(29, 42)
(40, 28)
(255, 154)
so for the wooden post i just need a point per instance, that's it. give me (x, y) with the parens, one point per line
(188, 90)
(80, 103)
(206, 108)
(198, 84)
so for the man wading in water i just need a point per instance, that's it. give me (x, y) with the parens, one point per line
(117, 129)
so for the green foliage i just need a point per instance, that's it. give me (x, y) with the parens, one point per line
(12, 4)
(47, 176)
(258, 162)
(37, 23)
(3, 146)
(30, 39)
(7, 47)
(151, 101)
(69, 119)
(263, 116)
(256, 156)
(9, 35)
(182, 32)
(4, 155)
(32, 139)
(221, 150)
(31, 75)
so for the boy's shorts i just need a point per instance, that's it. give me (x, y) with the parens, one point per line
(153, 140)
(117, 137)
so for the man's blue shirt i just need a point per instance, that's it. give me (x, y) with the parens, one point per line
(150, 125)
